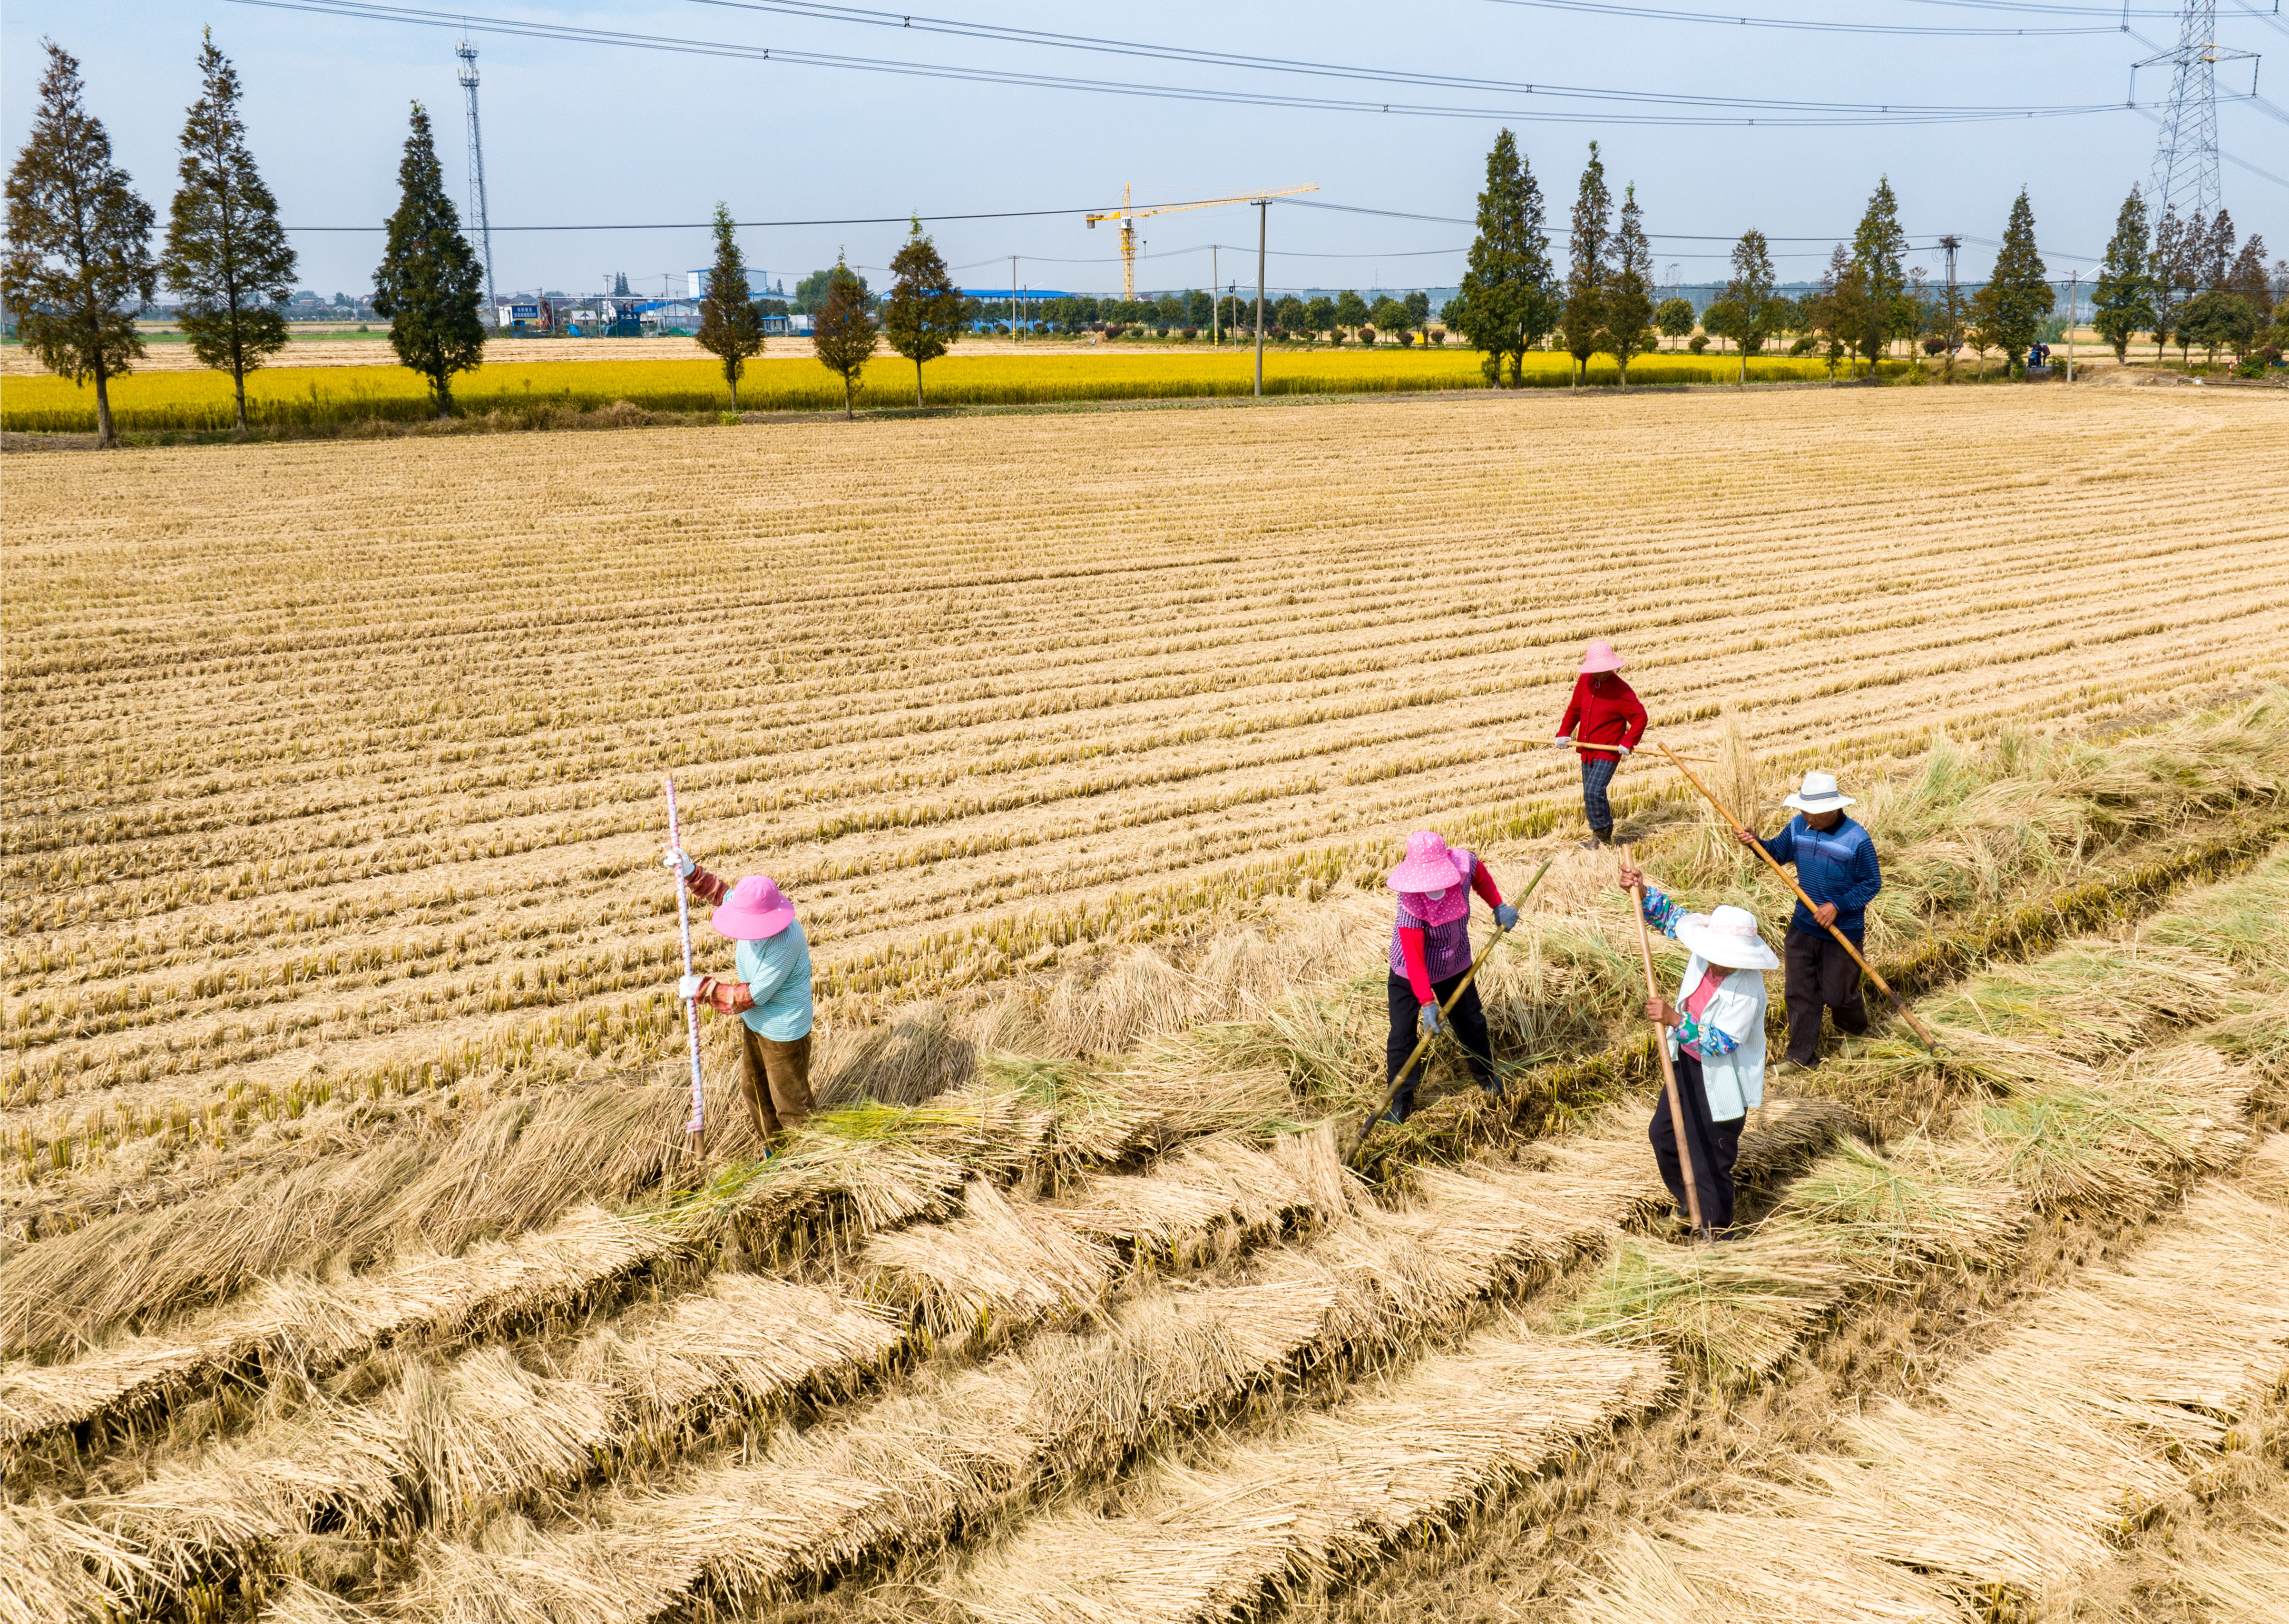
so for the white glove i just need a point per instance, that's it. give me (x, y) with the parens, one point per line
(680, 861)
(1624, 749)
(688, 988)
(1561, 741)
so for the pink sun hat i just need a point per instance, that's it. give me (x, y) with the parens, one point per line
(1429, 866)
(753, 910)
(1600, 656)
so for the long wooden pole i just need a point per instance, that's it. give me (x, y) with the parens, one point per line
(1667, 1071)
(1606, 750)
(695, 1129)
(1399, 1077)
(1789, 880)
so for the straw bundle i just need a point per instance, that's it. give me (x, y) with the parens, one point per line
(295, 1601)
(1740, 1307)
(915, 1055)
(1218, 1186)
(2240, 1578)
(2031, 1456)
(999, 1266)
(58, 1568)
(1793, 1576)
(2120, 1141)
(1142, 995)
(1915, 1204)
(1237, 972)
(746, 1342)
(1328, 1490)
(316, 1326)
(519, 1575)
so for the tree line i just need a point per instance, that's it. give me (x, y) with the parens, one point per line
(2182, 282)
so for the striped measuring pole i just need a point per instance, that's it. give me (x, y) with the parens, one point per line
(698, 1126)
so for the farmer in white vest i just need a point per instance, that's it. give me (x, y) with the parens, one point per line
(1716, 1036)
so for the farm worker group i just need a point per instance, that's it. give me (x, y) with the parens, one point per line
(771, 996)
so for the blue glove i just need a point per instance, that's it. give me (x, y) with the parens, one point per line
(1505, 916)
(1428, 1021)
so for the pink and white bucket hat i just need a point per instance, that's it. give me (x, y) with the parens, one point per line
(754, 911)
(1600, 656)
(1430, 880)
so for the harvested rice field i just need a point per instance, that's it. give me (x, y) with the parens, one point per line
(352, 1266)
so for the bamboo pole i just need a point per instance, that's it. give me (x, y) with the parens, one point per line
(695, 1129)
(1789, 880)
(1398, 1078)
(1668, 1071)
(1609, 750)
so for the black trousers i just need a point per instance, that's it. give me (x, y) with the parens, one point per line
(1821, 977)
(1716, 1146)
(1469, 1021)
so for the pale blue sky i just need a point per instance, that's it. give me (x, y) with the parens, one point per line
(593, 133)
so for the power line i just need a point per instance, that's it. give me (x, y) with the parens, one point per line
(1796, 115)
(1733, 20)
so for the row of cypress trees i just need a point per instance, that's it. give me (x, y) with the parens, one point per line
(1513, 298)
(80, 264)
(2181, 279)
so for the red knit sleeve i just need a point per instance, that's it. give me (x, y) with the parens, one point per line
(1418, 968)
(705, 886)
(1573, 710)
(1636, 713)
(1482, 882)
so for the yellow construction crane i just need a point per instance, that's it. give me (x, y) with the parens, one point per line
(1129, 216)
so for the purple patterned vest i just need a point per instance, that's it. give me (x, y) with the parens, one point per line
(1446, 948)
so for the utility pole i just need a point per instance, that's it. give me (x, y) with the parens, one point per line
(1950, 242)
(467, 53)
(1215, 302)
(1013, 299)
(1263, 215)
(2074, 288)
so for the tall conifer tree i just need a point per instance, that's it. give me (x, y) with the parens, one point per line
(2166, 282)
(227, 256)
(1507, 303)
(429, 283)
(78, 265)
(2019, 293)
(1756, 311)
(730, 327)
(1877, 246)
(1585, 315)
(2123, 299)
(843, 333)
(922, 317)
(1629, 296)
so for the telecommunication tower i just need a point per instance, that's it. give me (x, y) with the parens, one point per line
(2185, 178)
(467, 52)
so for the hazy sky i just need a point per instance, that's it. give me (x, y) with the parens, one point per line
(580, 133)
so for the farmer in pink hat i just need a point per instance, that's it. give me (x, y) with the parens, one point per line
(1431, 952)
(1715, 1031)
(1604, 722)
(771, 996)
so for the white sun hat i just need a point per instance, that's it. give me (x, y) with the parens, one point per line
(1819, 794)
(1728, 936)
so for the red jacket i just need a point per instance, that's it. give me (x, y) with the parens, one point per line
(1610, 715)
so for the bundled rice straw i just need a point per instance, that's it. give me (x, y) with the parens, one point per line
(2240, 1578)
(998, 1267)
(2029, 1458)
(58, 1568)
(2122, 1138)
(1211, 1185)
(1915, 1204)
(1741, 1308)
(1329, 1490)
(315, 1326)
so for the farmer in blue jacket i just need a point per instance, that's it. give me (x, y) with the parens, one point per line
(1836, 865)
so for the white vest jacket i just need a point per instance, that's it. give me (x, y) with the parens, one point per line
(1735, 1081)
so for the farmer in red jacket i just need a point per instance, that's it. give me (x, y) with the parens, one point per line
(1604, 714)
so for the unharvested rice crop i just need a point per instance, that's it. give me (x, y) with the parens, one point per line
(308, 396)
(352, 1265)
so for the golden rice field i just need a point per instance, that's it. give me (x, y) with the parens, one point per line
(308, 396)
(352, 1266)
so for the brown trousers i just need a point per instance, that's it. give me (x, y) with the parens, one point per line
(775, 1078)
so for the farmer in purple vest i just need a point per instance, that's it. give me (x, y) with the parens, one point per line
(1430, 953)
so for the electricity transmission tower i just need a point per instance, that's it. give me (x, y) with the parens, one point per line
(2185, 178)
(467, 53)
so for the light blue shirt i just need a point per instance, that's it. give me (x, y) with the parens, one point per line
(777, 970)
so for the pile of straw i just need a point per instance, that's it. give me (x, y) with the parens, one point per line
(1740, 1309)
(999, 1267)
(2027, 1463)
(315, 1327)
(1324, 1493)
(2123, 1139)
(1889, 1213)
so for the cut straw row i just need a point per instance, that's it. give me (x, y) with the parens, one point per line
(2028, 1460)
(969, 1447)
